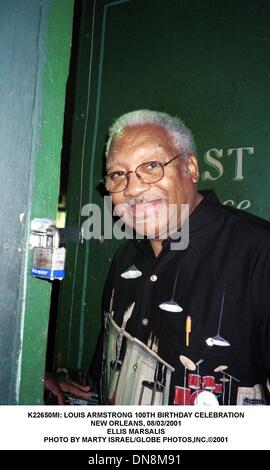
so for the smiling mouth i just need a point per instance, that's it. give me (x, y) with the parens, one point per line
(146, 209)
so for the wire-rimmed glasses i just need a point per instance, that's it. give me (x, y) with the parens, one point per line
(148, 172)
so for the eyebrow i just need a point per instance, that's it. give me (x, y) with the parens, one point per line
(113, 161)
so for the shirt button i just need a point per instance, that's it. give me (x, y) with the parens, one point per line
(145, 321)
(153, 278)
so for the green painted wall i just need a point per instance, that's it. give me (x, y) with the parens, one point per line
(208, 62)
(35, 48)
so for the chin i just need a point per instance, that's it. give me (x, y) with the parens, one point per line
(151, 231)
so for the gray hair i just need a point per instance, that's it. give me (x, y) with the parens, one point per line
(180, 135)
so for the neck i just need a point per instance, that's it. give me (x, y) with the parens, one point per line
(156, 246)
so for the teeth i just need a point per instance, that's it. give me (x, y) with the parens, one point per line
(144, 201)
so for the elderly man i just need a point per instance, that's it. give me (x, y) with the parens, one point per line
(182, 326)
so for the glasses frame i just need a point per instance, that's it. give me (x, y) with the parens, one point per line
(138, 176)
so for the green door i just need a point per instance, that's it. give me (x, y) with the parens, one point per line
(35, 38)
(207, 61)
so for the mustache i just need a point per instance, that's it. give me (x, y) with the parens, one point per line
(125, 208)
(144, 199)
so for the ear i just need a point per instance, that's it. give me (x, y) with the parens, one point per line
(193, 167)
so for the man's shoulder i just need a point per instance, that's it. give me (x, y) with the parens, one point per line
(211, 205)
(247, 225)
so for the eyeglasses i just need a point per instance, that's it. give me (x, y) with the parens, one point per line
(148, 172)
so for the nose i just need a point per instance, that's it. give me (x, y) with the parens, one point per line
(135, 185)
